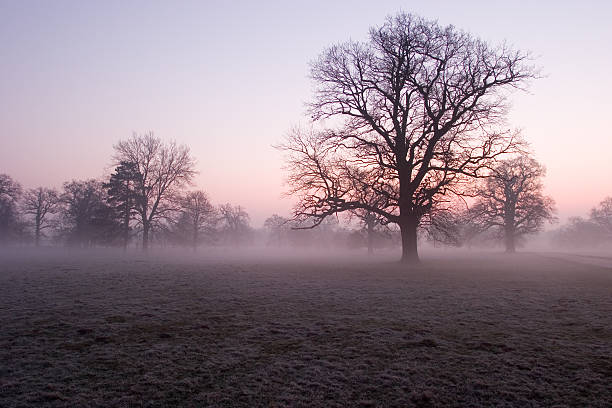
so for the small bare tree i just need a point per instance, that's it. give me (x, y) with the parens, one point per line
(39, 203)
(234, 224)
(197, 216)
(602, 215)
(163, 168)
(511, 200)
(373, 225)
(277, 228)
(419, 108)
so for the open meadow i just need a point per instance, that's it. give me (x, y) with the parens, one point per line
(460, 330)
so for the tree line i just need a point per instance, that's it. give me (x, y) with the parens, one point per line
(147, 191)
(145, 197)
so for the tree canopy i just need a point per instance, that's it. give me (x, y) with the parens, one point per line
(417, 109)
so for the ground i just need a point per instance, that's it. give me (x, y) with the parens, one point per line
(459, 330)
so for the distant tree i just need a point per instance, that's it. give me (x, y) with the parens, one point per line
(197, 217)
(580, 233)
(325, 234)
(602, 215)
(87, 218)
(39, 203)
(10, 193)
(234, 224)
(277, 228)
(124, 191)
(511, 200)
(421, 104)
(165, 168)
(373, 225)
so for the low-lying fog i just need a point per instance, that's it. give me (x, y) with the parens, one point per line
(279, 327)
(381, 257)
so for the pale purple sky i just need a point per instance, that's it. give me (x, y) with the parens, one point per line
(230, 78)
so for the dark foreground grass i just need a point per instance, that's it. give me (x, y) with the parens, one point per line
(526, 331)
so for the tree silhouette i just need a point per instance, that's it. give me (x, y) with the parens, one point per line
(164, 167)
(419, 108)
(123, 191)
(10, 193)
(372, 224)
(234, 224)
(87, 219)
(197, 217)
(602, 215)
(39, 203)
(278, 229)
(580, 233)
(511, 200)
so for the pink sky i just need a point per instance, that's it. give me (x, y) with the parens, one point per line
(230, 79)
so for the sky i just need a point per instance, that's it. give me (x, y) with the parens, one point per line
(229, 79)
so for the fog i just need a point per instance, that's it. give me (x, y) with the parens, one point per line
(310, 327)
(316, 253)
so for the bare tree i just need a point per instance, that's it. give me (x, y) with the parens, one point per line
(198, 217)
(234, 224)
(419, 107)
(602, 215)
(580, 233)
(10, 193)
(373, 225)
(511, 200)
(278, 229)
(39, 203)
(164, 168)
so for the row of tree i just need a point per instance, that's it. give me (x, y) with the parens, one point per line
(591, 232)
(506, 206)
(89, 213)
(145, 195)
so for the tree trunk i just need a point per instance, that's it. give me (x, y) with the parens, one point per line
(509, 240)
(370, 230)
(37, 232)
(408, 228)
(408, 219)
(126, 224)
(509, 235)
(194, 240)
(145, 236)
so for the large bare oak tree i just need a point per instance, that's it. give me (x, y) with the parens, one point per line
(417, 108)
(163, 168)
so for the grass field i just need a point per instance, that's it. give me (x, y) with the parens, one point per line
(460, 330)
